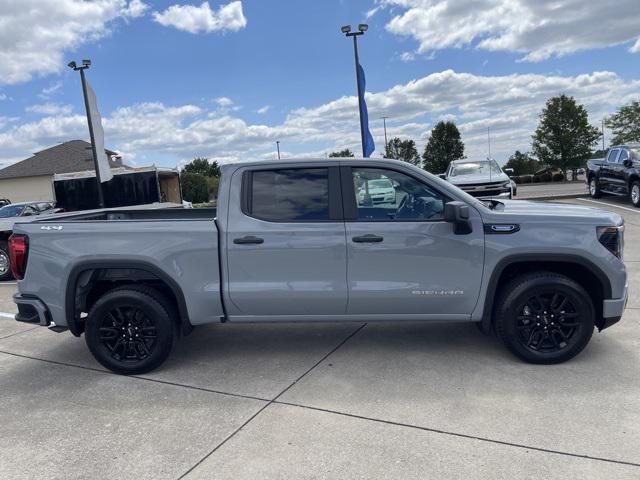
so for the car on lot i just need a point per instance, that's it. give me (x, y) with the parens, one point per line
(480, 178)
(290, 241)
(617, 174)
(9, 214)
(376, 191)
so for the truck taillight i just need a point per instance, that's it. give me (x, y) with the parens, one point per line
(18, 251)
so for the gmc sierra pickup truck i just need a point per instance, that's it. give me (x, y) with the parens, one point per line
(617, 174)
(297, 241)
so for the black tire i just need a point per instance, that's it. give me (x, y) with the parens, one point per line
(544, 317)
(594, 187)
(5, 264)
(634, 193)
(131, 329)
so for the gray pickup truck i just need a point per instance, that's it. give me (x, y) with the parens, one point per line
(308, 240)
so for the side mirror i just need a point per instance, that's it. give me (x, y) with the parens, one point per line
(457, 213)
(443, 176)
(628, 163)
(508, 171)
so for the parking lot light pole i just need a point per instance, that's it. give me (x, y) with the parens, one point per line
(347, 31)
(384, 123)
(86, 64)
(278, 147)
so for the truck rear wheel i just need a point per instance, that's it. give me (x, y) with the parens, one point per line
(130, 331)
(5, 264)
(544, 317)
(634, 193)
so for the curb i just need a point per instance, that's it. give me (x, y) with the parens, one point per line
(553, 196)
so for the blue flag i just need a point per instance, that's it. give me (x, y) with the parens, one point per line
(369, 146)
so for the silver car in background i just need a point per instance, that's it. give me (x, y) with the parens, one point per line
(480, 178)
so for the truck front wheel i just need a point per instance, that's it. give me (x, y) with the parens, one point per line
(594, 187)
(544, 317)
(130, 331)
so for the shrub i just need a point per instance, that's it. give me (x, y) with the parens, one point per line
(194, 187)
(526, 178)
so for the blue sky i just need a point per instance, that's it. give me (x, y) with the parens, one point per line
(226, 79)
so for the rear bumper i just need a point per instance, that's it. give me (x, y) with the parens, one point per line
(612, 309)
(32, 310)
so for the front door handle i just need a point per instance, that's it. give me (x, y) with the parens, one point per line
(248, 240)
(369, 238)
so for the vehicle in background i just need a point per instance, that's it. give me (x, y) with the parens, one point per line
(617, 174)
(4, 201)
(290, 241)
(9, 214)
(480, 178)
(129, 187)
(376, 191)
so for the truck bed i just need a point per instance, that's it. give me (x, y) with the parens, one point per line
(123, 214)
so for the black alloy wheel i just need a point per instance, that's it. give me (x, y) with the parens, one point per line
(544, 317)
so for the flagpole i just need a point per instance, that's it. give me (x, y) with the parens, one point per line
(347, 31)
(355, 52)
(85, 65)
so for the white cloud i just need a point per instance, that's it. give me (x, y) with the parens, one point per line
(50, 109)
(223, 101)
(537, 28)
(3, 96)
(52, 89)
(35, 34)
(264, 109)
(407, 56)
(509, 104)
(202, 19)
(136, 8)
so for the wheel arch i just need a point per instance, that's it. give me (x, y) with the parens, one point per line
(84, 276)
(578, 268)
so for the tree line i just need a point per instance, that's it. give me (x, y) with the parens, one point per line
(564, 139)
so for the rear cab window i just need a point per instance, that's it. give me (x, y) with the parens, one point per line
(289, 195)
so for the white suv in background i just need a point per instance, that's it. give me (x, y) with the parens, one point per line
(480, 178)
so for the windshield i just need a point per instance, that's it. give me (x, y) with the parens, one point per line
(484, 167)
(10, 211)
(380, 183)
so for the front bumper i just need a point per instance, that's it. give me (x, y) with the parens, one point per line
(32, 310)
(612, 309)
(490, 193)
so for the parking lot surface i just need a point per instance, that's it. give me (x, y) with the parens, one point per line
(377, 400)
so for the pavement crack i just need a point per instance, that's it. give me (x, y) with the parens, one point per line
(19, 333)
(460, 435)
(272, 401)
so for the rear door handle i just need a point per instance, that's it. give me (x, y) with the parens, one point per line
(369, 238)
(248, 240)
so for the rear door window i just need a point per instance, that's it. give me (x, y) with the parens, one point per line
(289, 195)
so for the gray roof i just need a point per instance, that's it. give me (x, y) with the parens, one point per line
(72, 156)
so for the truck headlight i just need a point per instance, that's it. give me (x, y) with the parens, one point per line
(612, 238)
(507, 184)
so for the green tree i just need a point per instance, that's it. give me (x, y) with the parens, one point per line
(404, 150)
(342, 153)
(564, 137)
(443, 147)
(202, 166)
(194, 187)
(522, 163)
(625, 124)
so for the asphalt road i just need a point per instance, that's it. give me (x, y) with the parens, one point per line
(385, 400)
